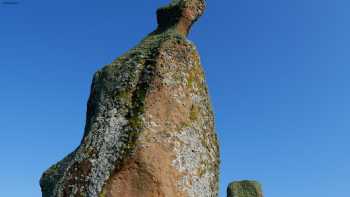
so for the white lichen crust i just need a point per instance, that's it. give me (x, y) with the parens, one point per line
(195, 142)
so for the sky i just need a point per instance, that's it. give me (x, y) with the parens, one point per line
(277, 71)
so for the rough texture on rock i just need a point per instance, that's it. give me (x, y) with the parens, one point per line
(149, 127)
(244, 189)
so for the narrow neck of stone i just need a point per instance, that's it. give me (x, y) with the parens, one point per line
(179, 16)
(171, 17)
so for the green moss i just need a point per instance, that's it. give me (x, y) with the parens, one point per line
(190, 80)
(201, 172)
(102, 194)
(195, 76)
(183, 125)
(194, 113)
(90, 151)
(53, 169)
(124, 96)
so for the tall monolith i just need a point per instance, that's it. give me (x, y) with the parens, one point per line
(244, 188)
(149, 126)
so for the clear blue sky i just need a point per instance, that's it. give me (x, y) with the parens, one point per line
(278, 73)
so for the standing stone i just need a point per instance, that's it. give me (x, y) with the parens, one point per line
(150, 127)
(244, 189)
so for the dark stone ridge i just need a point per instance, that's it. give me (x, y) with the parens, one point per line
(244, 189)
(149, 125)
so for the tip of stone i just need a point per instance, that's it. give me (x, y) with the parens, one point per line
(244, 188)
(180, 15)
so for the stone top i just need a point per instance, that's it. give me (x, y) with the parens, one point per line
(180, 15)
(245, 188)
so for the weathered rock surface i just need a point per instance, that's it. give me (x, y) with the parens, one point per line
(244, 189)
(149, 127)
